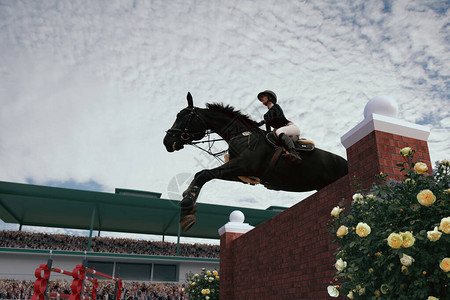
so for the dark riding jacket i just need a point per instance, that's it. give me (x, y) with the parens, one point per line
(275, 118)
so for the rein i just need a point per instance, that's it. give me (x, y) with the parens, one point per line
(209, 147)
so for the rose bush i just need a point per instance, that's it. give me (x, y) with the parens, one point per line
(203, 286)
(394, 239)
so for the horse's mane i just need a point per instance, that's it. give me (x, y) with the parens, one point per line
(232, 112)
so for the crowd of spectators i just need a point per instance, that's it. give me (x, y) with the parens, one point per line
(34, 240)
(15, 289)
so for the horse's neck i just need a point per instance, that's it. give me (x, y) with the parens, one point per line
(222, 124)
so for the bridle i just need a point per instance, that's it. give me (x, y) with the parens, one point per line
(184, 134)
(188, 137)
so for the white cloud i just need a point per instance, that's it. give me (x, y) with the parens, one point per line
(88, 89)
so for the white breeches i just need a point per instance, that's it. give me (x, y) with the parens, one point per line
(290, 129)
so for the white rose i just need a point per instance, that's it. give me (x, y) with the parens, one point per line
(333, 291)
(406, 260)
(340, 265)
(434, 235)
(336, 211)
(357, 197)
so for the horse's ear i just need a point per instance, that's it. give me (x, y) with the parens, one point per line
(190, 100)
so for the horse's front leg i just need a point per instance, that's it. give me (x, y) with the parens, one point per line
(188, 204)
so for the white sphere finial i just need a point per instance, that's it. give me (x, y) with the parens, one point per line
(237, 217)
(382, 105)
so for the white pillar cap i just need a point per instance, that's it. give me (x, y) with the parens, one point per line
(236, 224)
(380, 114)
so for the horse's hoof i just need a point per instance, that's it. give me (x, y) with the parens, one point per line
(190, 210)
(187, 222)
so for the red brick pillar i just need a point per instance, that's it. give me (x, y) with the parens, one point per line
(228, 233)
(373, 146)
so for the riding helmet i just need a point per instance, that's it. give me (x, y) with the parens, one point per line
(271, 95)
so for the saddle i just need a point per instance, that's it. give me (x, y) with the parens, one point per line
(301, 144)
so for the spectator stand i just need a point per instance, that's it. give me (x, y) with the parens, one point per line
(125, 211)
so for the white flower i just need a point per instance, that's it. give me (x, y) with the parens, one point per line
(340, 265)
(358, 197)
(406, 260)
(434, 235)
(350, 295)
(333, 291)
(362, 291)
(409, 181)
(336, 211)
(407, 151)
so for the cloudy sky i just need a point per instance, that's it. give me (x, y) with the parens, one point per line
(88, 88)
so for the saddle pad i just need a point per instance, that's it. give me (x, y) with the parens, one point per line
(304, 145)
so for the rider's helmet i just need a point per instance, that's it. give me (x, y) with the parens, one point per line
(271, 95)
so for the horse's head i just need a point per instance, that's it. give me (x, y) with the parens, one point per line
(188, 127)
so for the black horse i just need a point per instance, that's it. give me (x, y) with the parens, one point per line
(250, 154)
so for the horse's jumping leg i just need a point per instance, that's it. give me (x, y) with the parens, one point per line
(188, 204)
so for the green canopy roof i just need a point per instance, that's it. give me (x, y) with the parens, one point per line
(125, 211)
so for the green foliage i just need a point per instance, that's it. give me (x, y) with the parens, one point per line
(204, 285)
(370, 267)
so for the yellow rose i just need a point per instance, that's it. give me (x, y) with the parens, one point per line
(420, 168)
(343, 230)
(203, 291)
(395, 240)
(362, 229)
(445, 264)
(447, 191)
(215, 273)
(434, 235)
(336, 211)
(445, 225)
(426, 197)
(408, 239)
(406, 151)
(208, 272)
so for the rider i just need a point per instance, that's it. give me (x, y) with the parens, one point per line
(275, 118)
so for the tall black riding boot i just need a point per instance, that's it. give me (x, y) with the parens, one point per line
(289, 145)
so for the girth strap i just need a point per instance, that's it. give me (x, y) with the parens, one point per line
(273, 161)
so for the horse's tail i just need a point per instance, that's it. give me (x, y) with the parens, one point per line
(342, 167)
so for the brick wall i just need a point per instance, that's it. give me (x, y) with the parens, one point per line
(290, 256)
(380, 152)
